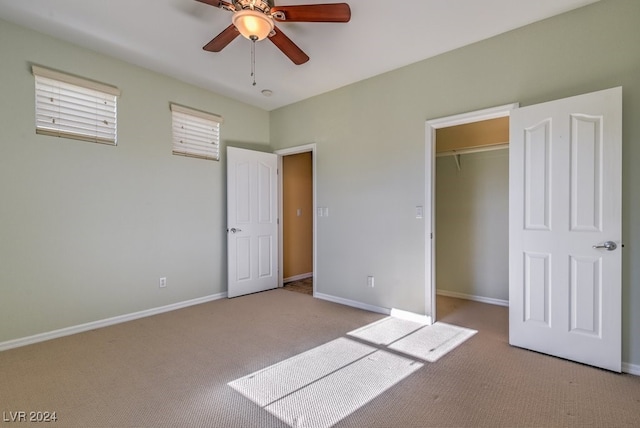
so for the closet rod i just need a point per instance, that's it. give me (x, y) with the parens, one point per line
(473, 150)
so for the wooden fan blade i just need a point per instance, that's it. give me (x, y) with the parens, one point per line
(221, 4)
(223, 39)
(288, 48)
(335, 12)
(216, 3)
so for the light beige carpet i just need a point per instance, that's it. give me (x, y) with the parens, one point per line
(174, 370)
(322, 386)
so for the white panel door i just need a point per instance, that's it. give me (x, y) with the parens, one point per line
(252, 221)
(565, 220)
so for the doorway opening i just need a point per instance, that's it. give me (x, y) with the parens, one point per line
(297, 219)
(467, 207)
(472, 211)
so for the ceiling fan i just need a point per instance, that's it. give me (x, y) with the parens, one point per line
(254, 19)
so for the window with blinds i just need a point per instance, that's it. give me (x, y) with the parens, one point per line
(195, 133)
(72, 107)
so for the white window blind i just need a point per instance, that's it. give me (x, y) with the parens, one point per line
(72, 107)
(195, 133)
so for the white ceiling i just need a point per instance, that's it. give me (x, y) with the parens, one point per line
(167, 36)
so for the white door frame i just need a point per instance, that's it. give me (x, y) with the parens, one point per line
(294, 151)
(430, 187)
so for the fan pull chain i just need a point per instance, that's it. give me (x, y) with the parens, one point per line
(253, 59)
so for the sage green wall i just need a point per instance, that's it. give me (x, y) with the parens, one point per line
(87, 230)
(371, 145)
(472, 224)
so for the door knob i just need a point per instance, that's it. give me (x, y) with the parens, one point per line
(234, 230)
(609, 246)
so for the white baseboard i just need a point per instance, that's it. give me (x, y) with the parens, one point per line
(353, 303)
(29, 340)
(298, 277)
(629, 368)
(632, 369)
(480, 299)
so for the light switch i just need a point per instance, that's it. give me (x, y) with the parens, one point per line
(320, 212)
(298, 212)
(419, 212)
(326, 211)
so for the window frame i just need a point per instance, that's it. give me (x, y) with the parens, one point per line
(196, 136)
(80, 109)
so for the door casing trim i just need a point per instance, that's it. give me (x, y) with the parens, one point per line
(294, 151)
(430, 181)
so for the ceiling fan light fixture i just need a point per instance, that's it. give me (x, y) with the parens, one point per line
(252, 25)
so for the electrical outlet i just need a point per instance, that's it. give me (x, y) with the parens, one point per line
(370, 281)
(163, 282)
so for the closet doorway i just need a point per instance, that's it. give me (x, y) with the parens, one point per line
(297, 218)
(472, 211)
(468, 217)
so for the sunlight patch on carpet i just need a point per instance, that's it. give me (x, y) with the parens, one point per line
(320, 387)
(268, 385)
(412, 338)
(386, 331)
(432, 342)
